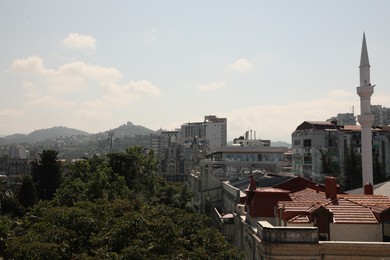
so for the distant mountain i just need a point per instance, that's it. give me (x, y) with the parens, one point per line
(280, 144)
(41, 135)
(129, 129)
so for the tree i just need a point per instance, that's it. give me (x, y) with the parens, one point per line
(91, 180)
(94, 216)
(329, 166)
(27, 194)
(121, 229)
(8, 203)
(136, 166)
(352, 169)
(379, 170)
(46, 173)
(5, 226)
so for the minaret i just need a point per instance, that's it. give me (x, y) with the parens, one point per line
(366, 119)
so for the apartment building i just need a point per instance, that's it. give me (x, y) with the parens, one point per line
(180, 151)
(212, 131)
(231, 163)
(381, 115)
(312, 138)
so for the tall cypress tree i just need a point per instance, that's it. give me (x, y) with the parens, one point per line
(46, 173)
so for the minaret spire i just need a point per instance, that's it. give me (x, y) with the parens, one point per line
(364, 64)
(366, 119)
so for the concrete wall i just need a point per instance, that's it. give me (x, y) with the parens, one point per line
(306, 247)
(354, 232)
(231, 196)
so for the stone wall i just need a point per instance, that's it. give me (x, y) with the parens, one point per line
(354, 232)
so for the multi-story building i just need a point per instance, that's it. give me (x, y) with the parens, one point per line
(311, 139)
(308, 141)
(343, 119)
(248, 140)
(179, 151)
(232, 163)
(381, 115)
(212, 131)
(175, 159)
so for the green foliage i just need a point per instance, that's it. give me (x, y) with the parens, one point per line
(379, 170)
(27, 194)
(352, 170)
(10, 205)
(5, 226)
(120, 228)
(119, 209)
(91, 180)
(329, 166)
(136, 166)
(46, 174)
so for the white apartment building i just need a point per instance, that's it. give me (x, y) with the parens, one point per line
(381, 115)
(212, 131)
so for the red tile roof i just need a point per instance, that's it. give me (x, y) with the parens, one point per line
(358, 209)
(300, 219)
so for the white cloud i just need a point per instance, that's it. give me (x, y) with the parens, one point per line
(79, 41)
(212, 86)
(68, 78)
(241, 65)
(278, 121)
(33, 64)
(122, 95)
(29, 86)
(31, 90)
(95, 115)
(73, 77)
(89, 71)
(143, 87)
(10, 112)
(50, 102)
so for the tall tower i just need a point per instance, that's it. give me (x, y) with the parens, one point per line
(366, 119)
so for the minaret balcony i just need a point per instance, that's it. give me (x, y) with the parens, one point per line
(365, 91)
(366, 120)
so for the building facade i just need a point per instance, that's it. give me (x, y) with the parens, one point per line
(312, 142)
(231, 163)
(179, 151)
(212, 132)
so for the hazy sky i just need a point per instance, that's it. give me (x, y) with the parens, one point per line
(265, 65)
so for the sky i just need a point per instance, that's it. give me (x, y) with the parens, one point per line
(266, 66)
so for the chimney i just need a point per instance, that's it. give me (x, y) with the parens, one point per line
(252, 184)
(250, 191)
(330, 187)
(368, 189)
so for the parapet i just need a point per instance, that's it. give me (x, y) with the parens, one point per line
(271, 234)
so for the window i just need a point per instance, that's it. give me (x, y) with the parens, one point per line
(307, 143)
(297, 142)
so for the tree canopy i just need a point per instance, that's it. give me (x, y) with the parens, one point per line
(114, 209)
